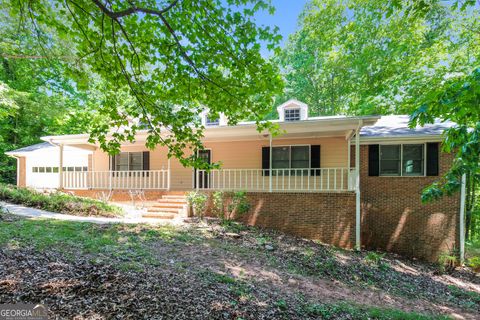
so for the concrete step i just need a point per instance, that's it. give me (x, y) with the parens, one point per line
(156, 209)
(173, 196)
(159, 215)
(184, 201)
(178, 205)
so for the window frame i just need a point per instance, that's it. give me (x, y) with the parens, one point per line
(285, 118)
(292, 171)
(128, 161)
(401, 174)
(211, 123)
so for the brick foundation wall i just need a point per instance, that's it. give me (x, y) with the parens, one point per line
(394, 218)
(327, 217)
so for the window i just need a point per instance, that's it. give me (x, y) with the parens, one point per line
(55, 169)
(212, 122)
(129, 161)
(293, 157)
(281, 157)
(412, 162)
(34, 169)
(390, 160)
(292, 114)
(402, 160)
(300, 157)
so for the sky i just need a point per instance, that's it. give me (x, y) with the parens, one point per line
(285, 18)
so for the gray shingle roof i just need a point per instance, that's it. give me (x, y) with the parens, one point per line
(38, 146)
(397, 126)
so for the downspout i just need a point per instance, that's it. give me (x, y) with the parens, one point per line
(357, 187)
(462, 218)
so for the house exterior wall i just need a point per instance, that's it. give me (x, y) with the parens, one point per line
(232, 155)
(394, 218)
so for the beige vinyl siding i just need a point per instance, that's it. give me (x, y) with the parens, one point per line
(232, 155)
(248, 154)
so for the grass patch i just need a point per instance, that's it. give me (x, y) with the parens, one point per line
(58, 202)
(349, 311)
(127, 244)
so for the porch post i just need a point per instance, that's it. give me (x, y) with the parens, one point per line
(168, 175)
(357, 187)
(270, 166)
(349, 144)
(462, 218)
(60, 167)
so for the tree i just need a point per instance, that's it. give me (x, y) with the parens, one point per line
(174, 58)
(36, 96)
(363, 57)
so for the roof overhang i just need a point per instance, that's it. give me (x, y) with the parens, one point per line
(319, 127)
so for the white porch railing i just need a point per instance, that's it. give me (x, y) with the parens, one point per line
(308, 180)
(123, 180)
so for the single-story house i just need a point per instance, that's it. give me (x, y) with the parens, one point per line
(346, 180)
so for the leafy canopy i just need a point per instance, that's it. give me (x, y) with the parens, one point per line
(370, 56)
(168, 59)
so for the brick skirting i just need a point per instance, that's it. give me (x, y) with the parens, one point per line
(327, 217)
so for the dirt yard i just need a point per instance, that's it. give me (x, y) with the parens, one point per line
(216, 271)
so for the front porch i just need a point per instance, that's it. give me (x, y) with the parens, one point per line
(337, 179)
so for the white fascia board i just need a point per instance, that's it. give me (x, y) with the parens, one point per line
(401, 139)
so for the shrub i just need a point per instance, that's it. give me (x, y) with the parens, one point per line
(218, 200)
(447, 261)
(198, 202)
(474, 263)
(57, 202)
(239, 204)
(374, 258)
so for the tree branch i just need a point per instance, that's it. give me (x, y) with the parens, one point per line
(133, 9)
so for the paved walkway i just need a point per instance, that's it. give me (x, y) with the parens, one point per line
(131, 216)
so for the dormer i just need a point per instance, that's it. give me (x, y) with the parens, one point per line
(292, 110)
(208, 121)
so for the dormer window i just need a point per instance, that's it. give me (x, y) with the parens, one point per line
(292, 114)
(292, 110)
(212, 122)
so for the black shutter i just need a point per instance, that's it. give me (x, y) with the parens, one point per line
(112, 163)
(265, 161)
(432, 159)
(373, 160)
(315, 160)
(146, 160)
